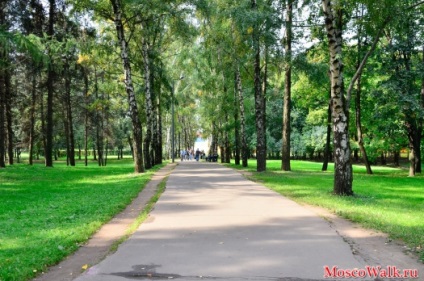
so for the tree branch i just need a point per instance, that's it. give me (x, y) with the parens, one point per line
(416, 5)
(358, 72)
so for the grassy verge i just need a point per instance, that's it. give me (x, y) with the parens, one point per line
(388, 201)
(46, 213)
(143, 215)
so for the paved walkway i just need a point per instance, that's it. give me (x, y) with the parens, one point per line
(213, 224)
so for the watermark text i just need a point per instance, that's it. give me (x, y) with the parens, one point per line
(370, 272)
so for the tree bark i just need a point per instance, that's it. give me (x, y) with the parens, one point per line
(412, 132)
(236, 122)
(259, 98)
(285, 163)
(86, 89)
(159, 150)
(328, 140)
(66, 132)
(70, 125)
(396, 158)
(148, 103)
(48, 153)
(157, 134)
(418, 165)
(244, 148)
(2, 115)
(50, 90)
(34, 75)
(8, 112)
(2, 90)
(358, 122)
(227, 143)
(99, 122)
(343, 176)
(359, 128)
(136, 124)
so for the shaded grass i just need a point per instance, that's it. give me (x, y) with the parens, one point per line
(388, 201)
(47, 213)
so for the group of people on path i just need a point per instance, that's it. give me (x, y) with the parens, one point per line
(190, 154)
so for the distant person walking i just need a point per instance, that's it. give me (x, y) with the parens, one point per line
(197, 154)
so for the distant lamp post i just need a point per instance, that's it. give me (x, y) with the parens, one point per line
(173, 117)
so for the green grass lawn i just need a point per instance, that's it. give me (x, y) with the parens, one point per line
(388, 201)
(46, 213)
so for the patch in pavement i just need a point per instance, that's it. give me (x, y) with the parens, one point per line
(146, 272)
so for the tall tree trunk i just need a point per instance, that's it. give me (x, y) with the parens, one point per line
(94, 153)
(244, 148)
(236, 122)
(227, 143)
(2, 119)
(43, 122)
(148, 103)
(158, 118)
(155, 122)
(264, 80)
(359, 134)
(285, 164)
(327, 151)
(396, 158)
(37, 20)
(226, 155)
(86, 89)
(50, 90)
(412, 132)
(34, 75)
(99, 122)
(66, 133)
(68, 108)
(8, 109)
(343, 176)
(418, 165)
(412, 122)
(259, 98)
(359, 128)
(136, 124)
(2, 90)
(214, 144)
(106, 152)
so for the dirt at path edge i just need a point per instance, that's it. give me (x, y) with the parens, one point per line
(99, 245)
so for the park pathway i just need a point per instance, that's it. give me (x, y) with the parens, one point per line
(213, 224)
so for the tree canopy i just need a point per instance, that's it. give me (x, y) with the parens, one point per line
(326, 80)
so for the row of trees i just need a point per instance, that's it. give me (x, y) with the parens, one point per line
(264, 77)
(62, 85)
(314, 63)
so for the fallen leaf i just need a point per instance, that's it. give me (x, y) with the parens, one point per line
(85, 266)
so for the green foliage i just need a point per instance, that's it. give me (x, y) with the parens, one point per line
(30, 44)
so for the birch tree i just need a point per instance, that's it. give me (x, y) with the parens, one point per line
(132, 102)
(343, 176)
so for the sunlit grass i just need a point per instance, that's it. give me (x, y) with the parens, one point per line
(47, 213)
(388, 201)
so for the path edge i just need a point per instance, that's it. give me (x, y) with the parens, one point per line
(110, 235)
(369, 245)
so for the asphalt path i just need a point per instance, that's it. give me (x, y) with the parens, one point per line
(211, 223)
